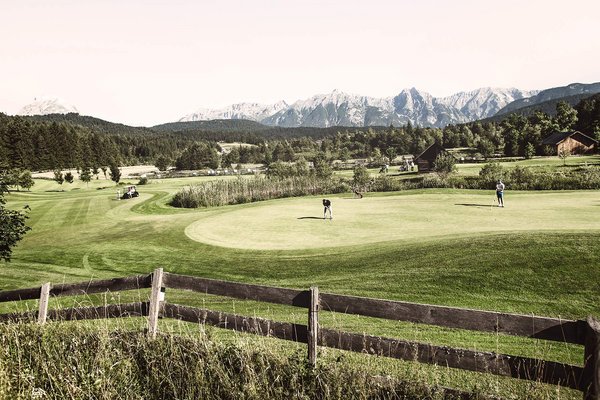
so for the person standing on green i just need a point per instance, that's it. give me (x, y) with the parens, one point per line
(500, 193)
(327, 205)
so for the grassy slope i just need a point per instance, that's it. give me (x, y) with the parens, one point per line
(472, 169)
(84, 233)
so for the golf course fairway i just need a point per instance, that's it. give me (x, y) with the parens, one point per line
(539, 254)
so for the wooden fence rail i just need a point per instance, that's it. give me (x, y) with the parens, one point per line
(582, 332)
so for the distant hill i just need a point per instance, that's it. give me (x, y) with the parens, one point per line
(240, 130)
(572, 93)
(549, 107)
(221, 125)
(215, 130)
(93, 123)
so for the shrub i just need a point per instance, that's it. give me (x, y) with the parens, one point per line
(361, 177)
(280, 169)
(490, 173)
(444, 164)
(162, 163)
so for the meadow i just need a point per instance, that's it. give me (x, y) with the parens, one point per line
(539, 255)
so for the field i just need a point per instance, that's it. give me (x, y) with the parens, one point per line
(540, 254)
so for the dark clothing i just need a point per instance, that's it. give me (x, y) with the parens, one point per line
(327, 207)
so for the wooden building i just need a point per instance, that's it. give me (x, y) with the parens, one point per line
(426, 159)
(574, 142)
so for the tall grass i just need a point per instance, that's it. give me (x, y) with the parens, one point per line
(74, 361)
(243, 190)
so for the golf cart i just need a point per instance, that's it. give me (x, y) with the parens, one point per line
(130, 192)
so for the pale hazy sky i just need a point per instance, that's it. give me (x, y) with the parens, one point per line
(144, 62)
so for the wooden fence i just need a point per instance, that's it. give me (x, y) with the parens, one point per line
(587, 333)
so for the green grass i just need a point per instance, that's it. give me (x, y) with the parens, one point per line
(472, 169)
(538, 163)
(539, 255)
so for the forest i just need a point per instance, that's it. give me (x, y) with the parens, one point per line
(67, 141)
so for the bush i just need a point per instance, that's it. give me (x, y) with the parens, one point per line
(361, 177)
(143, 181)
(521, 176)
(444, 164)
(490, 173)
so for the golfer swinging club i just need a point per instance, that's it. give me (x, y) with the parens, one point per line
(500, 193)
(327, 205)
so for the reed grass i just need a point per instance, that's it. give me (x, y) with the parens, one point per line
(243, 190)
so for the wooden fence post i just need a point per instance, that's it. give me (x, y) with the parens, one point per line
(156, 296)
(313, 325)
(591, 369)
(43, 306)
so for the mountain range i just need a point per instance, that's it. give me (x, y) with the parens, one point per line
(342, 109)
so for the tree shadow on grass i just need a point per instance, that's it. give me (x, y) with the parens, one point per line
(474, 205)
(309, 218)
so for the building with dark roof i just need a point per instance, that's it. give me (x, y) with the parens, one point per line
(574, 142)
(426, 159)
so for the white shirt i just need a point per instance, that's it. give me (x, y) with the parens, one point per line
(500, 187)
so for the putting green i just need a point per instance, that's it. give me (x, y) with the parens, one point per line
(298, 223)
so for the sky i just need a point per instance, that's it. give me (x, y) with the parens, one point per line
(145, 62)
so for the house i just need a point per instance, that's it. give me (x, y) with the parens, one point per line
(425, 160)
(574, 142)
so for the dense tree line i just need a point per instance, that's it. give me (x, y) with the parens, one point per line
(68, 141)
(32, 144)
(519, 135)
(515, 135)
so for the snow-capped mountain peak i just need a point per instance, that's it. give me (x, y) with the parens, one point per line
(251, 111)
(485, 102)
(47, 105)
(338, 108)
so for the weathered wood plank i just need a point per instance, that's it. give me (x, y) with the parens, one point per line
(486, 321)
(497, 364)
(139, 309)
(155, 300)
(102, 286)
(591, 380)
(80, 288)
(29, 316)
(257, 326)
(20, 294)
(270, 294)
(43, 303)
(445, 392)
(313, 325)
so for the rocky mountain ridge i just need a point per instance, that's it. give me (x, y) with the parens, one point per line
(343, 109)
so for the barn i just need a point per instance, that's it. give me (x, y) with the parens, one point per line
(573, 142)
(425, 160)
